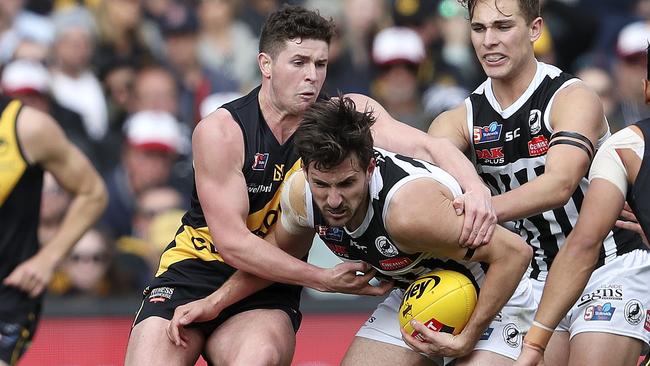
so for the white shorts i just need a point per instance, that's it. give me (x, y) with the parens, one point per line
(503, 336)
(616, 299)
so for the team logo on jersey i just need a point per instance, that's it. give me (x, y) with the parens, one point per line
(512, 335)
(633, 312)
(339, 250)
(489, 133)
(394, 264)
(330, 233)
(538, 146)
(385, 247)
(161, 294)
(535, 121)
(599, 312)
(260, 160)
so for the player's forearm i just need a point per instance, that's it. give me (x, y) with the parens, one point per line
(84, 210)
(500, 283)
(539, 195)
(260, 258)
(447, 156)
(239, 286)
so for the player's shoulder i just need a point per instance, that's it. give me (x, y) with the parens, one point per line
(218, 127)
(38, 133)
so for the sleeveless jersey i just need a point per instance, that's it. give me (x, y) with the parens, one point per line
(20, 201)
(510, 147)
(371, 242)
(639, 196)
(266, 165)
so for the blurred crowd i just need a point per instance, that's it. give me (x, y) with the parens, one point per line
(129, 79)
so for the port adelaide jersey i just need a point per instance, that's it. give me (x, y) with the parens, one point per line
(510, 147)
(20, 201)
(266, 165)
(371, 243)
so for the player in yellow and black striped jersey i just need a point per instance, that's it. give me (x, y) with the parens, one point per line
(242, 154)
(31, 143)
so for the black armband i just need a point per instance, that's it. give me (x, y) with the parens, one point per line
(585, 144)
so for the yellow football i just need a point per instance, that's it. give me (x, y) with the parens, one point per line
(442, 300)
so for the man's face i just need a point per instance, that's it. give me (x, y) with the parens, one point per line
(501, 38)
(341, 193)
(298, 73)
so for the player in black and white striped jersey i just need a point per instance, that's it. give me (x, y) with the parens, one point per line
(533, 131)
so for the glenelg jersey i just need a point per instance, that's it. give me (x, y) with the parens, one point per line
(370, 242)
(266, 165)
(510, 147)
(20, 201)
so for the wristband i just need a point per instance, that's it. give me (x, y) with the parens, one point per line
(534, 346)
(540, 325)
(539, 334)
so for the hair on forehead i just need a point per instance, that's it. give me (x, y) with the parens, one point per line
(530, 9)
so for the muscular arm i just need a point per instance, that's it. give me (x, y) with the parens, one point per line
(421, 202)
(44, 143)
(398, 137)
(576, 109)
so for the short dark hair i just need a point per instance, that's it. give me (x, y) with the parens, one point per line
(293, 22)
(333, 130)
(529, 8)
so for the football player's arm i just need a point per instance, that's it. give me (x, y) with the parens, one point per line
(414, 207)
(392, 135)
(578, 112)
(44, 143)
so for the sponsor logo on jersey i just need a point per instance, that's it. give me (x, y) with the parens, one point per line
(258, 188)
(646, 325)
(535, 121)
(330, 233)
(394, 263)
(161, 294)
(260, 160)
(634, 312)
(486, 335)
(512, 335)
(538, 146)
(491, 156)
(599, 312)
(605, 292)
(489, 133)
(278, 172)
(362, 248)
(339, 250)
(385, 247)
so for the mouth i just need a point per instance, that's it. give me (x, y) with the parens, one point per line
(494, 59)
(337, 214)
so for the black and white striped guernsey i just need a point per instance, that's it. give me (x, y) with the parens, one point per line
(510, 147)
(371, 242)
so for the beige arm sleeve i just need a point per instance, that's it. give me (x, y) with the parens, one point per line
(293, 201)
(607, 163)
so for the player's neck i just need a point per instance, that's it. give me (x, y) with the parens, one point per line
(356, 221)
(508, 90)
(281, 122)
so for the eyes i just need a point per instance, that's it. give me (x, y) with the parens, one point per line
(480, 28)
(301, 62)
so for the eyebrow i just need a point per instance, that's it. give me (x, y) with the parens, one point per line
(496, 22)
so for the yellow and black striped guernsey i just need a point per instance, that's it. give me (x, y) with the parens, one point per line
(266, 165)
(20, 200)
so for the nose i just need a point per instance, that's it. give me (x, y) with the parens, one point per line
(310, 72)
(490, 38)
(334, 198)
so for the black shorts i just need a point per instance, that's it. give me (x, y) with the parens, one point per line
(193, 279)
(16, 334)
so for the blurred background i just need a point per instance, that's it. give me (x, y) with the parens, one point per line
(129, 79)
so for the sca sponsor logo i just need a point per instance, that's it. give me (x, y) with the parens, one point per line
(260, 160)
(535, 121)
(491, 156)
(330, 233)
(489, 133)
(538, 146)
(394, 263)
(385, 247)
(633, 312)
(161, 294)
(599, 312)
(606, 292)
(512, 335)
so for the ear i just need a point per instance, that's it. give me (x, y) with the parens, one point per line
(264, 63)
(371, 166)
(646, 91)
(536, 29)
